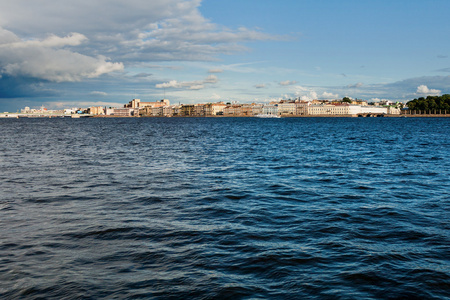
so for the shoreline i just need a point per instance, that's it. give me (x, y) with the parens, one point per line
(19, 116)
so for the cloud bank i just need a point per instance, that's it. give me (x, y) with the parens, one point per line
(50, 59)
(134, 31)
(45, 41)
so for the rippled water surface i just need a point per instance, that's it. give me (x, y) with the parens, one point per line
(237, 208)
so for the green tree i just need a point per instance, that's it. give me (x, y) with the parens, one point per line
(347, 100)
(431, 103)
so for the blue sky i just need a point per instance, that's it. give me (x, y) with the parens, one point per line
(78, 53)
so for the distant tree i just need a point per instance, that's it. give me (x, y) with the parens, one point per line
(433, 103)
(347, 99)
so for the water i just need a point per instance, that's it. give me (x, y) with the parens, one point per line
(236, 208)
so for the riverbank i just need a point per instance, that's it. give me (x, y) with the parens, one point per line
(16, 116)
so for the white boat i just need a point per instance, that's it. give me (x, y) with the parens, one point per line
(267, 116)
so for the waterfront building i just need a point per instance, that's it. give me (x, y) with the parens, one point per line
(330, 109)
(146, 111)
(214, 109)
(169, 111)
(136, 103)
(122, 112)
(233, 110)
(394, 110)
(247, 109)
(257, 109)
(322, 109)
(270, 109)
(282, 108)
(157, 111)
(69, 111)
(187, 110)
(301, 108)
(199, 110)
(287, 108)
(96, 110)
(345, 109)
(176, 110)
(368, 110)
(26, 110)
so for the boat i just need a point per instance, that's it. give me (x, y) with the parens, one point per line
(267, 116)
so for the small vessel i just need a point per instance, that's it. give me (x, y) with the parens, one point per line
(267, 116)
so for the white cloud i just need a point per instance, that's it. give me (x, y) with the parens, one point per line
(196, 87)
(98, 93)
(211, 79)
(215, 71)
(356, 85)
(215, 97)
(305, 94)
(170, 84)
(311, 96)
(49, 59)
(424, 90)
(329, 96)
(308, 94)
(288, 82)
(190, 85)
(74, 39)
(260, 86)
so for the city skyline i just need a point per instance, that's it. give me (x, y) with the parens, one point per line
(105, 52)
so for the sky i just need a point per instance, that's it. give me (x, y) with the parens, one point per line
(81, 53)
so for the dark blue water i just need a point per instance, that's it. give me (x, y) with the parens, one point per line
(234, 208)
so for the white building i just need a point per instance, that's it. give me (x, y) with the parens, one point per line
(350, 110)
(270, 109)
(123, 112)
(328, 109)
(26, 110)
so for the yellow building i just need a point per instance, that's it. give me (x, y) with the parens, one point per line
(187, 110)
(214, 109)
(287, 108)
(96, 110)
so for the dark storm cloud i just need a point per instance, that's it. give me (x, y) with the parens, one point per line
(13, 87)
